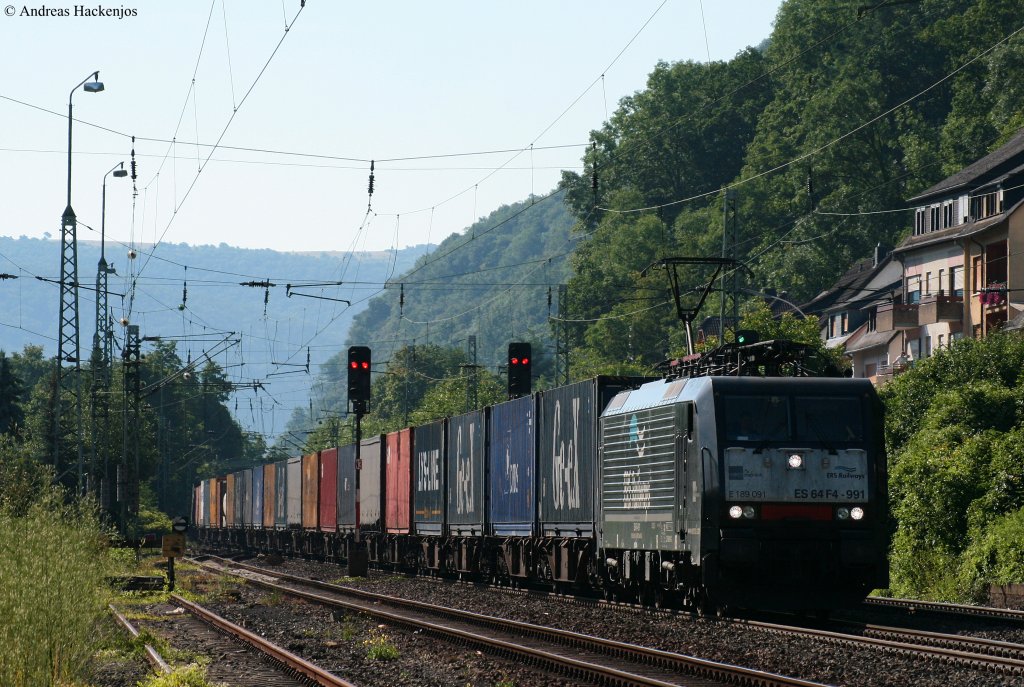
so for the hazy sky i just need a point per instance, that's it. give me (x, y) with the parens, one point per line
(380, 80)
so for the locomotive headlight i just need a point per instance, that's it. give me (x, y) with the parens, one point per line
(748, 512)
(857, 513)
(735, 512)
(796, 461)
(842, 513)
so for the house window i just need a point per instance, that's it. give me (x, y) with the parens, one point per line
(871, 320)
(956, 280)
(995, 263)
(942, 283)
(914, 349)
(976, 276)
(941, 337)
(927, 347)
(914, 289)
(927, 283)
(919, 222)
(934, 216)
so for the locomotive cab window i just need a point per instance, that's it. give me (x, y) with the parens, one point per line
(833, 419)
(756, 418)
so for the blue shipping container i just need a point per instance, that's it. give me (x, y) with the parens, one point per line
(257, 498)
(512, 461)
(467, 464)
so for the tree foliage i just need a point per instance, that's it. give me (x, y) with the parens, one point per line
(955, 428)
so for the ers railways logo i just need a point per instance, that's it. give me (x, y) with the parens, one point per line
(636, 492)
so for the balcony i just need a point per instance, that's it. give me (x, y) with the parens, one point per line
(890, 316)
(937, 308)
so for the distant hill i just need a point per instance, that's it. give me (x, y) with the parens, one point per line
(492, 280)
(275, 331)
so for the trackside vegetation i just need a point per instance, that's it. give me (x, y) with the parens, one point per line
(52, 563)
(955, 432)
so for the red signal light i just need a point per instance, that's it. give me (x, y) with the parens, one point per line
(354, 365)
(525, 361)
(366, 365)
(515, 361)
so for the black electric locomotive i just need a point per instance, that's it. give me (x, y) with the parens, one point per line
(736, 481)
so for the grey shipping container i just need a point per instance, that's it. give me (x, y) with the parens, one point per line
(371, 485)
(257, 498)
(281, 494)
(347, 488)
(429, 478)
(467, 474)
(245, 519)
(567, 431)
(295, 492)
(511, 468)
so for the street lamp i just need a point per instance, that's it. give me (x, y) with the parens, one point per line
(68, 334)
(102, 341)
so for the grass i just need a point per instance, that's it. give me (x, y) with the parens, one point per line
(53, 599)
(193, 675)
(379, 647)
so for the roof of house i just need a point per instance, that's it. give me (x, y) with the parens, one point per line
(955, 233)
(998, 162)
(851, 286)
(871, 340)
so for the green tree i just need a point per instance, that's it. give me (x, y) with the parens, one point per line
(12, 392)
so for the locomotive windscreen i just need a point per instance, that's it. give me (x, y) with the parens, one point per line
(795, 448)
(756, 418)
(820, 420)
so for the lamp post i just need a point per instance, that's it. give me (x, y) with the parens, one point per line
(68, 334)
(102, 345)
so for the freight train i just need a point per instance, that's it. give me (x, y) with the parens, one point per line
(703, 490)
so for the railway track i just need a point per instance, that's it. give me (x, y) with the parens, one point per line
(958, 650)
(244, 659)
(595, 659)
(956, 610)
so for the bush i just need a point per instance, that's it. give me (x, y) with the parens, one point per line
(996, 557)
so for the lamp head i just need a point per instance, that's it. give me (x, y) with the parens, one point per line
(93, 86)
(120, 173)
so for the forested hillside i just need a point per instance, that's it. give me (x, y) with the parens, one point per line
(848, 110)
(497, 280)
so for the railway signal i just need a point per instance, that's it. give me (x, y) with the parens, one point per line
(520, 369)
(359, 378)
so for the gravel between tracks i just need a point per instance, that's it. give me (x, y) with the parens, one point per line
(337, 642)
(708, 639)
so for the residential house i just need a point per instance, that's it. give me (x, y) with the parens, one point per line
(846, 312)
(963, 264)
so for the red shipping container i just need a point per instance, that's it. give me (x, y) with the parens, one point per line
(398, 482)
(310, 491)
(269, 475)
(329, 490)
